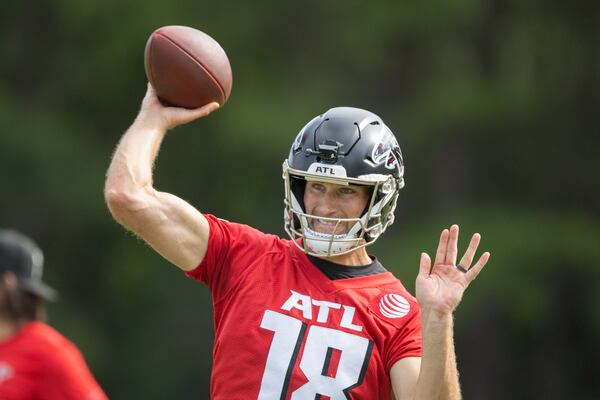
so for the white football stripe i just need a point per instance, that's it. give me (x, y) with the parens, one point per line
(399, 300)
(386, 301)
(395, 307)
(386, 314)
(391, 313)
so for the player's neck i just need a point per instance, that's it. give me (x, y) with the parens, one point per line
(8, 328)
(357, 258)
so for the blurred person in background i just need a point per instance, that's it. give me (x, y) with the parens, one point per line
(316, 315)
(36, 361)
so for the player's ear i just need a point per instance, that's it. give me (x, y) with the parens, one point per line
(8, 281)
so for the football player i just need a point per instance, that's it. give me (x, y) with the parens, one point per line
(314, 315)
(36, 361)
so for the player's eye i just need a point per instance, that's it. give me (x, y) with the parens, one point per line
(347, 191)
(317, 186)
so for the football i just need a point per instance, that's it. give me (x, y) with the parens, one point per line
(187, 67)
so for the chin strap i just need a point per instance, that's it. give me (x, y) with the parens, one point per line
(326, 244)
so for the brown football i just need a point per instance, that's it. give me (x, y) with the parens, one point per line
(186, 67)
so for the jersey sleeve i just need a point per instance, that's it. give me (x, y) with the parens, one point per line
(407, 342)
(232, 249)
(69, 377)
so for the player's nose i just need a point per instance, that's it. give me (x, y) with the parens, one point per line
(328, 205)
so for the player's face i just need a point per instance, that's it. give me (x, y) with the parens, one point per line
(330, 200)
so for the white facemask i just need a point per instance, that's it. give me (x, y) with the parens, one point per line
(327, 244)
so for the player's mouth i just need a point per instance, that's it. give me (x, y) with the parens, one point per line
(330, 226)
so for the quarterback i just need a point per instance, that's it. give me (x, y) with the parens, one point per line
(313, 316)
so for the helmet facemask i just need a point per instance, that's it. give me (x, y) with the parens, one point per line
(364, 230)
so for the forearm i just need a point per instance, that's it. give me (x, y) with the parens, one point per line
(133, 160)
(438, 378)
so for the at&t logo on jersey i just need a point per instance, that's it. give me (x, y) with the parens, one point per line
(393, 305)
(6, 372)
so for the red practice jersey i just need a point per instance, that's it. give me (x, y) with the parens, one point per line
(283, 330)
(40, 364)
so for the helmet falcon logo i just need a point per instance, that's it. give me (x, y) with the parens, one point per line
(388, 152)
(394, 157)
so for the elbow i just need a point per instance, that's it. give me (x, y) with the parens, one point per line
(119, 203)
(116, 200)
(124, 206)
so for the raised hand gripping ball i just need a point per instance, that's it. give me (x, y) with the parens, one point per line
(186, 67)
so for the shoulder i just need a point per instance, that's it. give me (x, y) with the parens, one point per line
(389, 301)
(50, 344)
(394, 290)
(382, 296)
(45, 335)
(240, 234)
(234, 248)
(396, 304)
(59, 367)
(396, 319)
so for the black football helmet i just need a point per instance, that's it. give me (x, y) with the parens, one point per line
(22, 256)
(343, 146)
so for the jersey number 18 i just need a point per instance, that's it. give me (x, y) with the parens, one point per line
(289, 333)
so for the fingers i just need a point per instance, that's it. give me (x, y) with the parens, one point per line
(467, 258)
(425, 265)
(452, 250)
(476, 269)
(175, 115)
(440, 254)
(203, 111)
(180, 116)
(212, 106)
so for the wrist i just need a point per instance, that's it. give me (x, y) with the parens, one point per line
(153, 121)
(437, 315)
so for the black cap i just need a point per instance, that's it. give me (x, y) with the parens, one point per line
(21, 256)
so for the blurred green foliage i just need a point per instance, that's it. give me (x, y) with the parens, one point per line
(495, 107)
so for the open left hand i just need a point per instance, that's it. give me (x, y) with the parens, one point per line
(441, 288)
